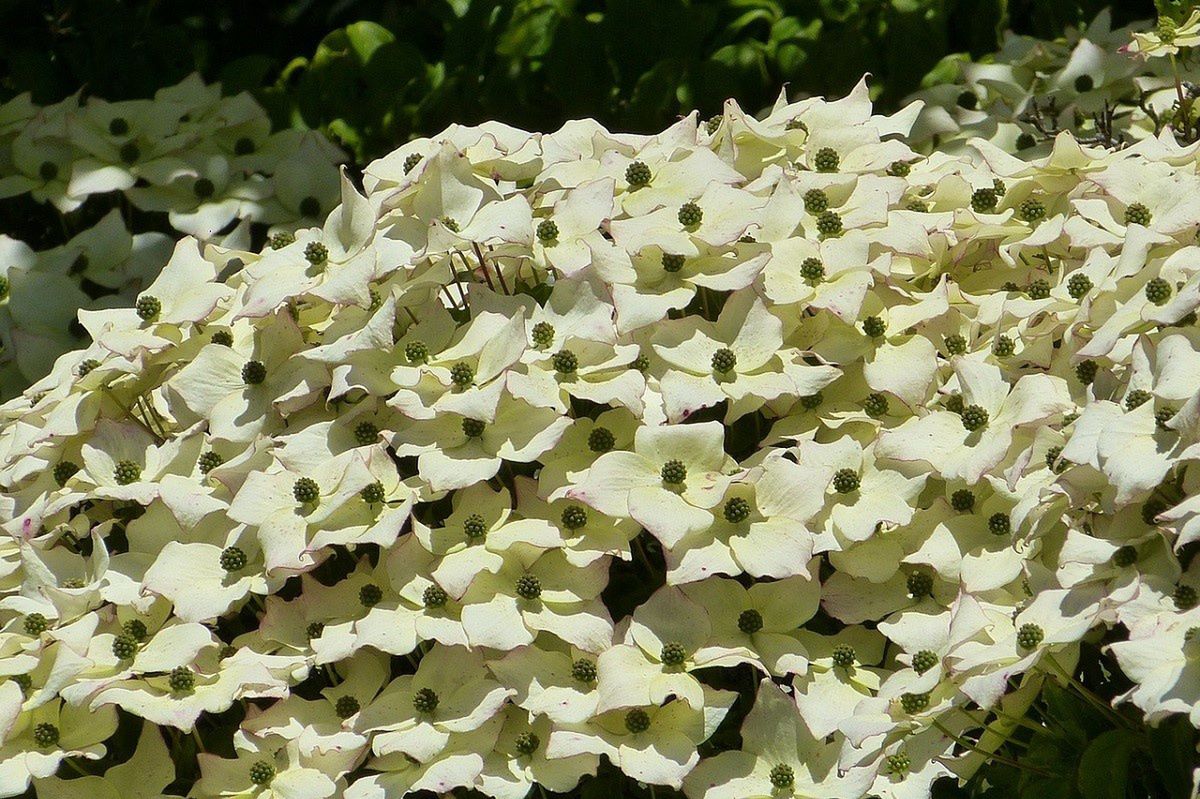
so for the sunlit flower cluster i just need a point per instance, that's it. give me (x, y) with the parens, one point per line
(545, 442)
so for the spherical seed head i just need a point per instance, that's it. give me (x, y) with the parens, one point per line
(812, 270)
(127, 472)
(962, 500)
(543, 335)
(724, 360)
(1004, 346)
(983, 201)
(373, 494)
(36, 624)
(208, 461)
(3, 287)
(956, 344)
(1137, 214)
(671, 262)
(148, 307)
(1025, 140)
(72, 582)
(473, 428)
(1185, 597)
(637, 174)
(1039, 289)
(914, 703)
(45, 735)
(899, 169)
(736, 510)
(1009, 286)
(750, 621)
(601, 440)
(244, 146)
(416, 352)
(24, 681)
(1136, 398)
(365, 433)
(425, 700)
(434, 596)
(826, 160)
(547, 230)
(1031, 210)
(1052, 455)
(1164, 415)
(64, 471)
(584, 670)
(181, 679)
(282, 239)
(875, 405)
(136, 629)
(812, 401)
(118, 126)
(920, 206)
(999, 524)
(711, 125)
(815, 201)
(474, 526)
(637, 720)
(1150, 510)
(846, 481)
(261, 773)
(1078, 285)
(897, 764)
(310, 206)
(974, 417)
(233, 559)
(370, 595)
(527, 743)
(254, 372)
(690, 214)
(874, 327)
(1085, 371)
(919, 584)
(782, 776)
(924, 660)
(346, 706)
(1125, 556)
(1158, 291)
(314, 630)
(124, 646)
(1029, 636)
(999, 187)
(673, 654)
(316, 253)
(844, 655)
(227, 651)
(529, 586)
(565, 362)
(462, 374)
(129, 152)
(829, 223)
(410, 162)
(574, 517)
(306, 490)
(674, 472)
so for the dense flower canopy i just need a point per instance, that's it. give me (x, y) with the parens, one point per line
(891, 433)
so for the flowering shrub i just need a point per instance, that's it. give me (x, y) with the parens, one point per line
(759, 457)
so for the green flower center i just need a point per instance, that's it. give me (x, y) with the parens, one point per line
(233, 559)
(346, 706)
(181, 679)
(750, 621)
(127, 472)
(846, 481)
(425, 700)
(601, 440)
(254, 372)
(370, 595)
(261, 773)
(844, 655)
(637, 175)
(1029, 636)
(674, 472)
(637, 720)
(547, 231)
(306, 491)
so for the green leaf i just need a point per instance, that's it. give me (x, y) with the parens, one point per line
(1173, 753)
(1104, 767)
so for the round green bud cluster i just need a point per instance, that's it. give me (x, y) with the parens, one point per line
(829, 223)
(1004, 346)
(527, 743)
(127, 472)
(924, 660)
(876, 405)
(222, 337)
(129, 153)
(968, 100)
(36, 624)
(690, 214)
(954, 403)
(462, 375)
(1158, 291)
(565, 362)
(897, 764)
(1031, 210)
(208, 461)
(999, 524)
(1084, 84)
(637, 720)
(372, 494)
(136, 629)
(782, 776)
(974, 417)
(204, 188)
(148, 307)
(1125, 556)
(812, 270)
(316, 253)
(724, 360)
(637, 175)
(815, 201)
(227, 651)
(547, 230)
(1137, 214)
(3, 287)
(919, 584)
(434, 596)
(1053, 460)
(641, 363)
(529, 586)
(1167, 29)
(310, 206)
(254, 372)
(411, 161)
(983, 201)
(542, 335)
(314, 630)
(956, 344)
(118, 126)
(23, 681)
(1185, 597)
(473, 428)
(416, 352)
(474, 526)
(962, 500)
(899, 169)
(1039, 289)
(124, 646)
(306, 490)
(45, 735)
(244, 146)
(64, 471)
(1009, 286)
(181, 679)
(450, 223)
(711, 125)
(920, 206)
(601, 440)
(750, 621)
(1085, 371)
(673, 654)
(233, 559)
(1164, 415)
(736, 510)
(1078, 285)
(262, 772)
(874, 326)
(674, 472)
(826, 160)
(1151, 509)
(425, 700)
(1136, 398)
(574, 517)
(999, 187)
(1025, 141)
(914, 703)
(346, 706)
(672, 262)
(370, 595)
(282, 239)
(1029, 636)
(584, 670)
(845, 481)
(811, 402)
(844, 655)
(366, 432)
